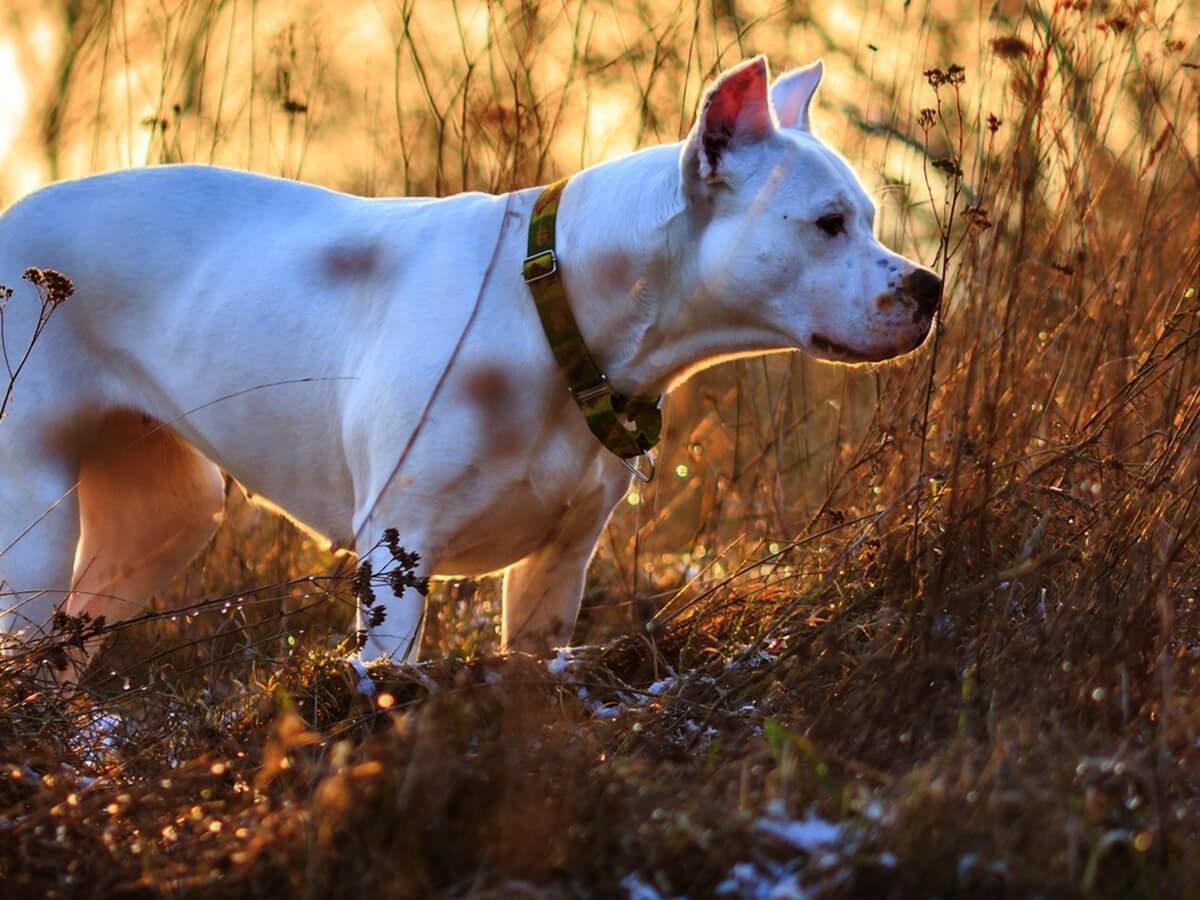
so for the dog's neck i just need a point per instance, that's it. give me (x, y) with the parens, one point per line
(628, 241)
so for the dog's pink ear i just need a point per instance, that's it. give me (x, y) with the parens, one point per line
(736, 111)
(792, 93)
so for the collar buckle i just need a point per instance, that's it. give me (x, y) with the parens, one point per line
(539, 265)
(588, 394)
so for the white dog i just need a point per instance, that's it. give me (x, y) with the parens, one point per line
(369, 364)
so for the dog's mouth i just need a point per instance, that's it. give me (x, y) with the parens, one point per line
(833, 350)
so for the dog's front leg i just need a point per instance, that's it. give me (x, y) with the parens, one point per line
(397, 638)
(542, 593)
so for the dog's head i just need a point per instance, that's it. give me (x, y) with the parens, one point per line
(785, 228)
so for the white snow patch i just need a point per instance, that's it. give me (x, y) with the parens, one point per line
(803, 834)
(657, 688)
(749, 658)
(96, 738)
(562, 663)
(602, 711)
(873, 812)
(638, 888)
(768, 882)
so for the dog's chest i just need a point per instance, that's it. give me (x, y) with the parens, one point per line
(504, 517)
(497, 534)
(524, 487)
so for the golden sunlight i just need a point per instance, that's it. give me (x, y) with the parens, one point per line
(915, 612)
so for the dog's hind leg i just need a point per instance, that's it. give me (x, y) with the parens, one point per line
(39, 528)
(149, 502)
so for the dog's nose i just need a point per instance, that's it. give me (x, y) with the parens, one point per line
(925, 288)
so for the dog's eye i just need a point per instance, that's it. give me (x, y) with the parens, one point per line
(832, 224)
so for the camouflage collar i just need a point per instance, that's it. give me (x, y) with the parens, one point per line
(628, 426)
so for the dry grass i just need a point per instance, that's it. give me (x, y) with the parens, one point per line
(949, 605)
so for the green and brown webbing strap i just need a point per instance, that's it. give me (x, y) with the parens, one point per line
(628, 426)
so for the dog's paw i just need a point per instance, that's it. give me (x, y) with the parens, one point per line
(364, 685)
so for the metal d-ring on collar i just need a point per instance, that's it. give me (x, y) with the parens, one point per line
(628, 426)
